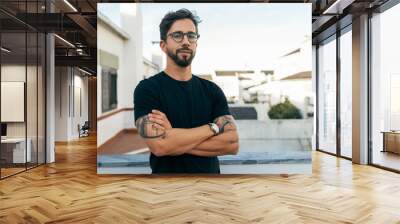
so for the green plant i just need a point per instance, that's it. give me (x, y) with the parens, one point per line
(285, 110)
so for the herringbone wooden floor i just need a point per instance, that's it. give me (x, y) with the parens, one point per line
(70, 191)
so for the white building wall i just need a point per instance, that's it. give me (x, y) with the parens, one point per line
(112, 43)
(130, 72)
(149, 70)
(132, 60)
(295, 63)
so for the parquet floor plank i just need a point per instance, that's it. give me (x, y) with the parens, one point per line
(70, 191)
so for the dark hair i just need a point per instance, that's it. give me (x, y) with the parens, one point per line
(171, 17)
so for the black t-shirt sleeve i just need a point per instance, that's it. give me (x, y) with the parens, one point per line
(220, 106)
(145, 99)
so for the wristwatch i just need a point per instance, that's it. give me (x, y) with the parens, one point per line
(214, 127)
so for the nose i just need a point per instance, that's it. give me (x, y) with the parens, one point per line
(185, 40)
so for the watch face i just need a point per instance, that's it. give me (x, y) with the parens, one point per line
(215, 128)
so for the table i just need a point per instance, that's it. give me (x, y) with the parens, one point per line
(391, 141)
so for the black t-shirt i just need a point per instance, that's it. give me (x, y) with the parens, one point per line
(187, 104)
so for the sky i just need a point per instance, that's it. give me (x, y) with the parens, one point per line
(249, 36)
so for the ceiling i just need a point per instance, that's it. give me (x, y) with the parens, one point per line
(76, 22)
(76, 25)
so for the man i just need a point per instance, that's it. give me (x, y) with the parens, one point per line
(183, 119)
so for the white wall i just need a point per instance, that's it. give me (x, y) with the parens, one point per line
(14, 73)
(66, 121)
(17, 73)
(281, 136)
(61, 103)
(149, 70)
(275, 129)
(79, 117)
(132, 60)
(111, 43)
(129, 73)
(110, 126)
(33, 126)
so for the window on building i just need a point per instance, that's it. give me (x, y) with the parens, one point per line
(109, 89)
(327, 95)
(346, 93)
(385, 89)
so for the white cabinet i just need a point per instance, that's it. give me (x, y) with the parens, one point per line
(18, 149)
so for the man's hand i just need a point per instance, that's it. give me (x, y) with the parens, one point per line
(225, 123)
(160, 118)
(163, 140)
(225, 143)
(149, 129)
(153, 125)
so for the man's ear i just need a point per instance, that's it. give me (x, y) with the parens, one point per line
(163, 46)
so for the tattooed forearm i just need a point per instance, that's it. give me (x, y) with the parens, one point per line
(149, 129)
(225, 122)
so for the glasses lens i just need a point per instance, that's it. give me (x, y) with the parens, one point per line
(192, 37)
(178, 36)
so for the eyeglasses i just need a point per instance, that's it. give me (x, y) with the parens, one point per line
(179, 35)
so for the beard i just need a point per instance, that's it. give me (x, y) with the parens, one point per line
(181, 62)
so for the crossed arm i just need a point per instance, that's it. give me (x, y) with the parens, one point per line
(164, 140)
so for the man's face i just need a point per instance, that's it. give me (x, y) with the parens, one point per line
(182, 53)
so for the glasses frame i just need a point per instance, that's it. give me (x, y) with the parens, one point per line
(183, 36)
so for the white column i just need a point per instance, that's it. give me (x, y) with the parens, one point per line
(50, 99)
(360, 90)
